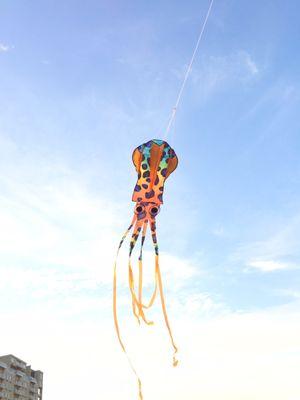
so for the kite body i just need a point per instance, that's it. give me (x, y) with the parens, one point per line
(154, 161)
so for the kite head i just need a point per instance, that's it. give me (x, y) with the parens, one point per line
(154, 161)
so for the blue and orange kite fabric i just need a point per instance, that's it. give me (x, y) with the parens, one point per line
(154, 161)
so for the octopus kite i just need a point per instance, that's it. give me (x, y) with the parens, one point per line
(154, 161)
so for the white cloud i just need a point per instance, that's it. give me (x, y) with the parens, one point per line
(218, 231)
(295, 294)
(251, 355)
(217, 72)
(4, 48)
(268, 265)
(281, 94)
(249, 62)
(274, 251)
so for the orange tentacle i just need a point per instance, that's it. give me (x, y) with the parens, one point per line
(160, 286)
(137, 305)
(140, 293)
(134, 238)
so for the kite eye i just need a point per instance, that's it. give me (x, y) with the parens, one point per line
(139, 209)
(154, 211)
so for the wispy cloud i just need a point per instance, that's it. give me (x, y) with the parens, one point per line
(4, 48)
(249, 62)
(218, 231)
(294, 294)
(279, 96)
(274, 253)
(218, 72)
(268, 265)
(243, 346)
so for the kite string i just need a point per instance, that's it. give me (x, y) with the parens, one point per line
(174, 110)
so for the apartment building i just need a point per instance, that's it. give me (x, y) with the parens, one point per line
(18, 380)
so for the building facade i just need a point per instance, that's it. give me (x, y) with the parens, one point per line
(18, 380)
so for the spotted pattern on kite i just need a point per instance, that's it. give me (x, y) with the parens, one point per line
(154, 162)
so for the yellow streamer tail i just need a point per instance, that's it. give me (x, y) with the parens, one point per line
(115, 311)
(137, 299)
(161, 292)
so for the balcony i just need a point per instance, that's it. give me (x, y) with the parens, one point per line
(18, 364)
(19, 392)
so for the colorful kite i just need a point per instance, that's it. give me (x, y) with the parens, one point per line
(154, 161)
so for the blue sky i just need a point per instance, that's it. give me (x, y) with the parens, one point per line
(81, 85)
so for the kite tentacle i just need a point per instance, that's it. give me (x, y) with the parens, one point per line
(160, 286)
(140, 292)
(135, 304)
(115, 314)
(139, 300)
(141, 265)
